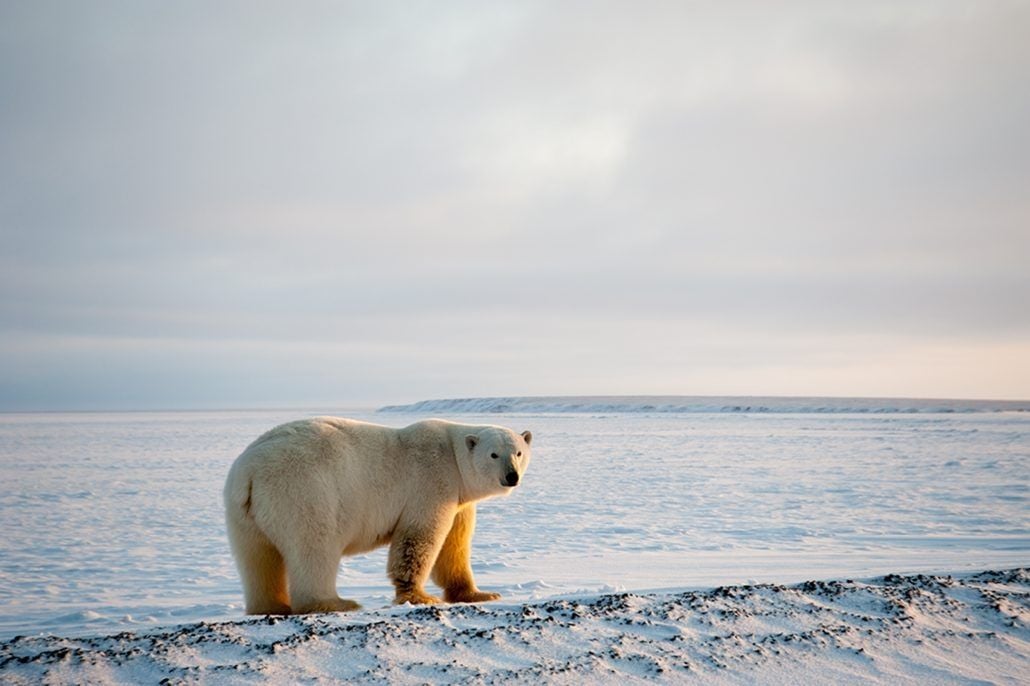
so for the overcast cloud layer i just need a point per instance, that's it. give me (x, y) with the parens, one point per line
(207, 205)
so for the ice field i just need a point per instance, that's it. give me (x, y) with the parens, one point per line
(113, 521)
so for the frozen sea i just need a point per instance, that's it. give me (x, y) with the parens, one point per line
(113, 521)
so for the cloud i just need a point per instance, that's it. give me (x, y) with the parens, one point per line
(402, 177)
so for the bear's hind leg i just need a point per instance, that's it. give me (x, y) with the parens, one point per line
(261, 569)
(312, 573)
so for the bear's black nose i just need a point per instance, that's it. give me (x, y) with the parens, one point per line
(512, 479)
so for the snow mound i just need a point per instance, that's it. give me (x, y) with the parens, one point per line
(706, 404)
(894, 629)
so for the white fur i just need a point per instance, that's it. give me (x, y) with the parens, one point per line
(306, 493)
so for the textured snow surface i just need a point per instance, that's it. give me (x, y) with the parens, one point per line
(897, 629)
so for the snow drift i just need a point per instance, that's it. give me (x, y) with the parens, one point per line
(894, 629)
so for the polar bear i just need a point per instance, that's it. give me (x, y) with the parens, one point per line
(306, 493)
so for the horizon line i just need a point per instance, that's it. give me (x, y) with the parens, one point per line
(369, 405)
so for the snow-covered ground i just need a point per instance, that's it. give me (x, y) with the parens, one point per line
(894, 630)
(112, 522)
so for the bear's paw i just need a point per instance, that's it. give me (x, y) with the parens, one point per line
(331, 605)
(416, 598)
(470, 596)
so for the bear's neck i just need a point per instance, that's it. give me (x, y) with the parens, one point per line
(467, 490)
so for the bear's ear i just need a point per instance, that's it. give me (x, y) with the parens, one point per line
(471, 441)
(527, 436)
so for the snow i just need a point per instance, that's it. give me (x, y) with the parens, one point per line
(113, 535)
(897, 629)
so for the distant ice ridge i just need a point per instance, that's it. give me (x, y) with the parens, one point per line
(705, 404)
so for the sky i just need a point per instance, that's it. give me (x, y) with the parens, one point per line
(257, 204)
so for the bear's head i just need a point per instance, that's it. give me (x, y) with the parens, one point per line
(498, 458)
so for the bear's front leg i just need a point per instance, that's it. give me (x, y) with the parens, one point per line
(453, 568)
(412, 552)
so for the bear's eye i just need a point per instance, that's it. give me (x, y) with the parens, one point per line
(493, 455)
(518, 454)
